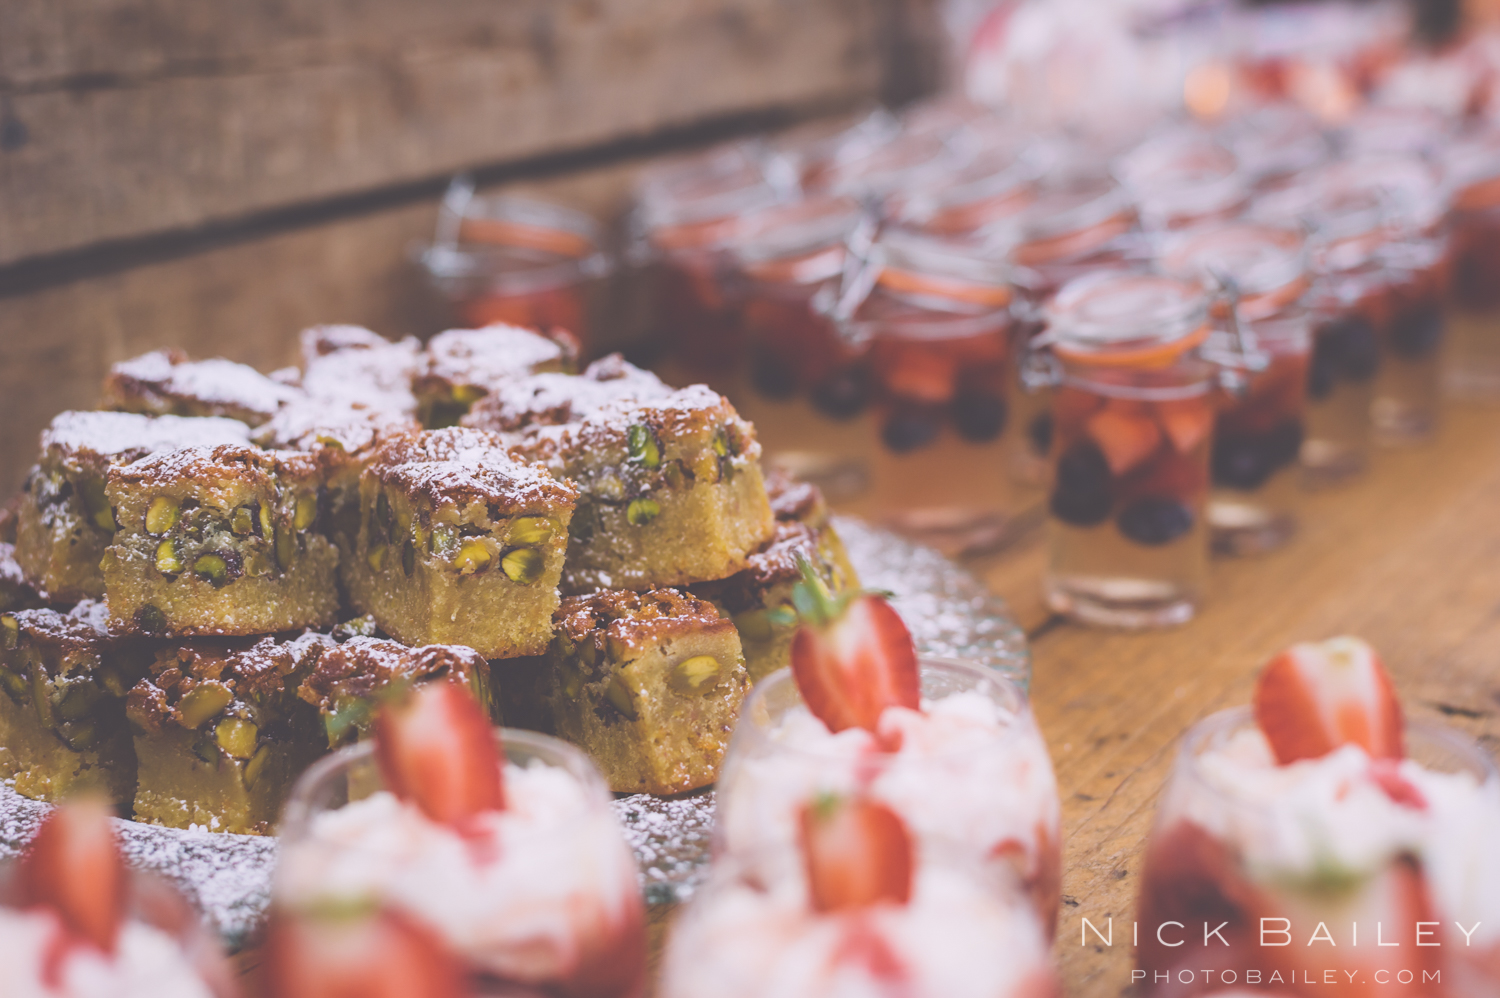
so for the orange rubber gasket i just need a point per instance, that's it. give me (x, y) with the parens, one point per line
(505, 232)
(805, 269)
(1071, 244)
(1157, 356)
(909, 282)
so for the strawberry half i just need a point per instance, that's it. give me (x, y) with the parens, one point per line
(358, 955)
(1313, 698)
(437, 750)
(857, 853)
(74, 867)
(852, 657)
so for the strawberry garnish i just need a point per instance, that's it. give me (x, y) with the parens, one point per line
(1127, 436)
(74, 868)
(437, 750)
(857, 853)
(1313, 698)
(852, 657)
(374, 954)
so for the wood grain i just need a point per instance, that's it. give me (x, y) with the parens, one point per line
(131, 117)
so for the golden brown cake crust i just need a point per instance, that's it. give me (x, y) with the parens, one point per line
(462, 466)
(260, 671)
(793, 499)
(636, 619)
(361, 666)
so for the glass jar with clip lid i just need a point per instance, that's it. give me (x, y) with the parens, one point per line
(1134, 377)
(807, 386)
(1261, 271)
(936, 314)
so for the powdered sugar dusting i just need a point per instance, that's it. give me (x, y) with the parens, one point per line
(124, 436)
(217, 386)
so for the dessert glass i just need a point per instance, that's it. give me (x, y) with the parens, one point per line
(809, 385)
(971, 777)
(554, 906)
(1474, 312)
(961, 934)
(1071, 228)
(1133, 414)
(1336, 842)
(164, 948)
(1258, 430)
(514, 260)
(938, 324)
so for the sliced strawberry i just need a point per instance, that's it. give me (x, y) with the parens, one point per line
(74, 867)
(358, 955)
(855, 662)
(437, 749)
(1126, 438)
(1387, 773)
(1187, 422)
(1313, 698)
(857, 853)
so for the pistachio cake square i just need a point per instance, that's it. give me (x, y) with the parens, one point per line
(65, 520)
(166, 382)
(461, 366)
(62, 711)
(459, 543)
(220, 734)
(649, 684)
(349, 680)
(670, 479)
(224, 540)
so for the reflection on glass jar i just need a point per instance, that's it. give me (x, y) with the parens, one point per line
(808, 382)
(1259, 427)
(514, 260)
(1474, 358)
(1239, 835)
(1132, 430)
(687, 215)
(938, 324)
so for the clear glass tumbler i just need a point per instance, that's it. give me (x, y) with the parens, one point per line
(1249, 861)
(541, 894)
(969, 774)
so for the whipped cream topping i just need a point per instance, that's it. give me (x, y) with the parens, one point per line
(967, 774)
(955, 938)
(534, 891)
(147, 962)
(1345, 814)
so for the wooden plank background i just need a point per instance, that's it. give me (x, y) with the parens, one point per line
(138, 116)
(219, 176)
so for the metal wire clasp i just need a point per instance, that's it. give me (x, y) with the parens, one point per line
(1243, 355)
